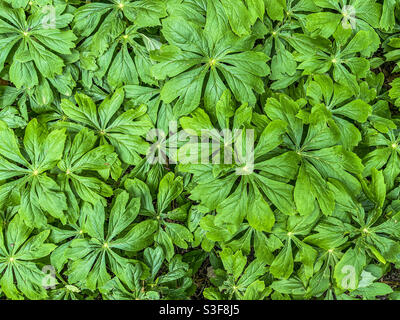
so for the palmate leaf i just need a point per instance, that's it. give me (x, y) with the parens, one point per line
(126, 60)
(289, 232)
(93, 256)
(384, 156)
(40, 98)
(335, 97)
(194, 54)
(20, 275)
(36, 47)
(311, 212)
(104, 22)
(81, 156)
(319, 155)
(169, 232)
(340, 61)
(236, 281)
(283, 64)
(40, 194)
(283, 34)
(356, 14)
(122, 130)
(375, 237)
(241, 189)
(62, 236)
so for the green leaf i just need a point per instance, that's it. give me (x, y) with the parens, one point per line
(138, 238)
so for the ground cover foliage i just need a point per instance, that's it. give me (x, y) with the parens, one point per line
(85, 215)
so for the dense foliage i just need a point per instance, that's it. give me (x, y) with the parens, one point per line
(85, 215)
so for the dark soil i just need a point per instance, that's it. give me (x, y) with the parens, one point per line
(392, 278)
